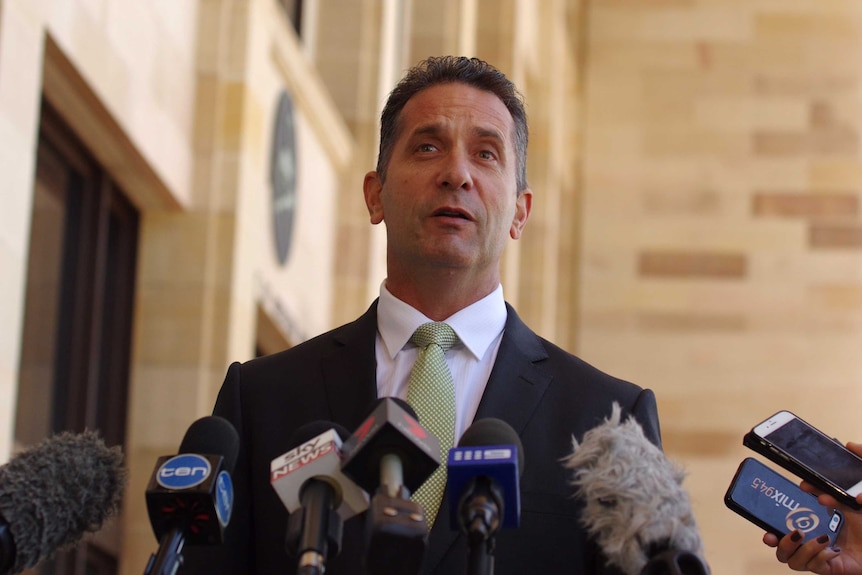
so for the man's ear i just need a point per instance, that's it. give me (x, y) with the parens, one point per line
(372, 187)
(523, 205)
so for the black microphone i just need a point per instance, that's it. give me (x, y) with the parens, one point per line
(190, 495)
(53, 493)
(391, 455)
(482, 479)
(318, 496)
(634, 503)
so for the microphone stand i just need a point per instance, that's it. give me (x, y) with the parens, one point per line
(480, 512)
(481, 558)
(397, 528)
(169, 557)
(314, 531)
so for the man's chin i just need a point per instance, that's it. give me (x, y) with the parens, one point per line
(448, 255)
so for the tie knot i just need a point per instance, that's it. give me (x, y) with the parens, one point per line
(434, 332)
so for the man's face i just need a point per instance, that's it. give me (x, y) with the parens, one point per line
(450, 197)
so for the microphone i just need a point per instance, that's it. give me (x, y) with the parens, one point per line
(318, 496)
(483, 482)
(53, 493)
(634, 503)
(391, 455)
(190, 495)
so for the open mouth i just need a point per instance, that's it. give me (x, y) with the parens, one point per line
(452, 213)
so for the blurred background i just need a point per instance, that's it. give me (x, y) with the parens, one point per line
(182, 189)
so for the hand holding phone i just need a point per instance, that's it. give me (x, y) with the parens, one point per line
(809, 453)
(775, 504)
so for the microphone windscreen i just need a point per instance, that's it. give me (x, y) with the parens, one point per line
(54, 492)
(492, 431)
(212, 435)
(634, 503)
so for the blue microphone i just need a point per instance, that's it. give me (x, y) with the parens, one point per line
(482, 478)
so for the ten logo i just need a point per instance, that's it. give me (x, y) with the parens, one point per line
(224, 497)
(183, 471)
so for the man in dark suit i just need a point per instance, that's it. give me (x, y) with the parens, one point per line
(450, 185)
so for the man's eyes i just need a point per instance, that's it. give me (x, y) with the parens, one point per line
(483, 154)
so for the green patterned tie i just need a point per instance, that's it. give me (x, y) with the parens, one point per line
(431, 393)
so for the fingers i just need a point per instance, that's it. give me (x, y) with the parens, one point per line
(788, 546)
(771, 539)
(829, 501)
(802, 555)
(808, 487)
(820, 562)
(825, 499)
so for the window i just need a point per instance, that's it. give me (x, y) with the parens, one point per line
(76, 338)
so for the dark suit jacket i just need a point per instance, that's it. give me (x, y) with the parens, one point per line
(546, 394)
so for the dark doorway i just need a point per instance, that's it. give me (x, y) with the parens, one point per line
(76, 339)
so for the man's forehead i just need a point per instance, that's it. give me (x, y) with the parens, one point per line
(478, 131)
(435, 108)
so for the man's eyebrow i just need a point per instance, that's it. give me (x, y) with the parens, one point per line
(428, 130)
(489, 133)
(480, 132)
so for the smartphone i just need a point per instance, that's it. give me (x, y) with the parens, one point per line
(809, 453)
(776, 504)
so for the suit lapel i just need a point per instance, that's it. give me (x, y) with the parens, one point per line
(350, 371)
(517, 383)
(515, 388)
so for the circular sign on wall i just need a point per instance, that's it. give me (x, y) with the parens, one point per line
(283, 176)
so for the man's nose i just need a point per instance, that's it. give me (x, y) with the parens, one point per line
(456, 171)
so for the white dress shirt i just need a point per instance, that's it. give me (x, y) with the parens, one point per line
(479, 328)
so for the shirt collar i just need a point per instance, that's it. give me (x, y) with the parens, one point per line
(477, 325)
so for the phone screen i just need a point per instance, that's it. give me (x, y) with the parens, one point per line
(819, 453)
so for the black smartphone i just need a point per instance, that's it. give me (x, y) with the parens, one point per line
(776, 504)
(809, 453)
